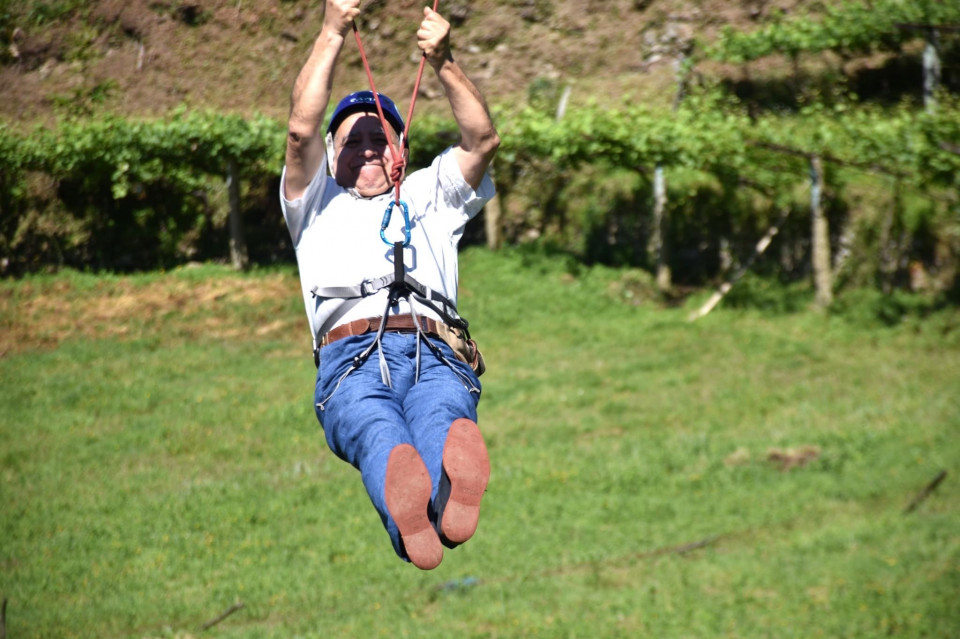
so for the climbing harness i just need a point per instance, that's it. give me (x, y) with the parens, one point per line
(399, 285)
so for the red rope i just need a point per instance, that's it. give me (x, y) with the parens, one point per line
(399, 155)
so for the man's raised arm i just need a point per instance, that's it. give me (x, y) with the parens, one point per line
(311, 94)
(478, 137)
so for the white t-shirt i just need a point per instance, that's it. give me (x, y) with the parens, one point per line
(336, 236)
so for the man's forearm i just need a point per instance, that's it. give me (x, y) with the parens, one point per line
(468, 107)
(308, 104)
(478, 136)
(314, 84)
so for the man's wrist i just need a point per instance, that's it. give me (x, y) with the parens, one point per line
(443, 63)
(329, 34)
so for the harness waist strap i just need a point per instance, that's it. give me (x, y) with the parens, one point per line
(395, 323)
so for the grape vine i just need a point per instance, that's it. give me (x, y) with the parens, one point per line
(845, 26)
(121, 177)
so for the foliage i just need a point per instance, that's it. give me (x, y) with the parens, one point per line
(851, 26)
(769, 295)
(137, 187)
(767, 155)
(37, 12)
(705, 134)
(137, 193)
(16, 14)
(596, 214)
(866, 307)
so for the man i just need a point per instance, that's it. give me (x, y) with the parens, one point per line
(406, 418)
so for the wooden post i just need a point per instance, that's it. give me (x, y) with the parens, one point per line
(492, 216)
(564, 100)
(820, 238)
(238, 244)
(659, 243)
(658, 240)
(931, 69)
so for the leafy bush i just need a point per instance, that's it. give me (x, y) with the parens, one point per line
(870, 307)
(769, 294)
(137, 191)
(135, 194)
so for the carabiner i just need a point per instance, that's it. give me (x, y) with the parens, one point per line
(386, 222)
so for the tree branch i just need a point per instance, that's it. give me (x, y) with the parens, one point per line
(926, 492)
(779, 148)
(229, 611)
(907, 26)
(739, 273)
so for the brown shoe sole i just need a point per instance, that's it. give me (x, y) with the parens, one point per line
(407, 492)
(466, 466)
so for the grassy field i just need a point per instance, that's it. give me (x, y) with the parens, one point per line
(746, 475)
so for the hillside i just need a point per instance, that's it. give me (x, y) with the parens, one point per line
(145, 57)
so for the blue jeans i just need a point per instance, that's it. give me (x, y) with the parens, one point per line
(364, 419)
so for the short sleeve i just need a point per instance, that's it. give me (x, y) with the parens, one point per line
(297, 213)
(457, 193)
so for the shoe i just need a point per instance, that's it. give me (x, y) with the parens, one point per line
(407, 492)
(466, 471)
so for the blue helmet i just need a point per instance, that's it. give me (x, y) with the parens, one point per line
(363, 101)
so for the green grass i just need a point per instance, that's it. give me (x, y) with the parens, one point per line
(151, 478)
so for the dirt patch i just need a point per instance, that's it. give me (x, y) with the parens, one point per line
(143, 58)
(40, 317)
(784, 459)
(790, 458)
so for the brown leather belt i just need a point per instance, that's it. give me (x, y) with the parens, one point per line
(395, 324)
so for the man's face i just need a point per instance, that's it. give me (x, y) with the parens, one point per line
(363, 160)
